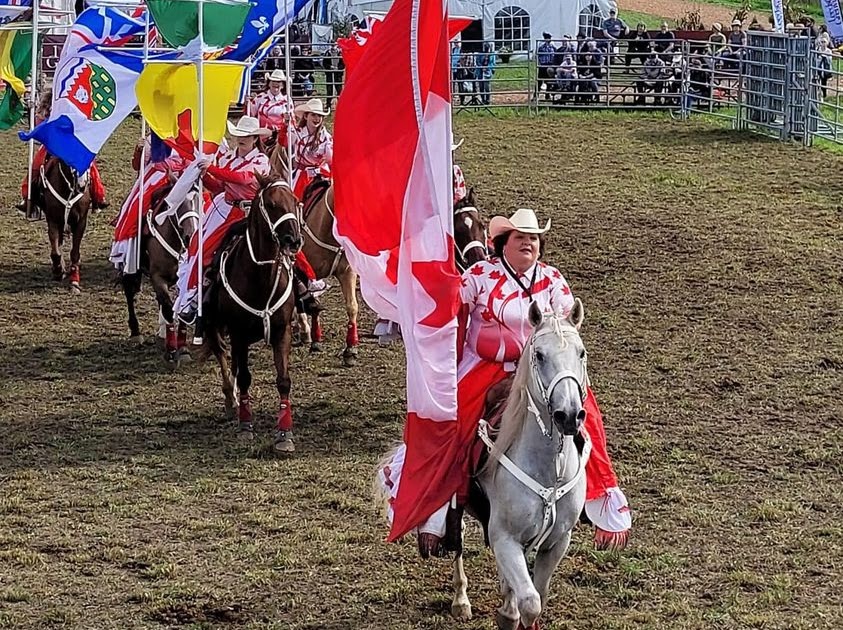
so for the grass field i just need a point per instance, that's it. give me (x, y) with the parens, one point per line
(710, 266)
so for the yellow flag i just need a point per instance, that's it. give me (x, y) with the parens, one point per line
(168, 96)
(15, 56)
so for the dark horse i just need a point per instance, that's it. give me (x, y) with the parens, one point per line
(469, 232)
(328, 259)
(65, 198)
(164, 237)
(251, 298)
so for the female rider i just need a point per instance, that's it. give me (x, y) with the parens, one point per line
(273, 107)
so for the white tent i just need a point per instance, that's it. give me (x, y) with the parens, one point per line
(516, 24)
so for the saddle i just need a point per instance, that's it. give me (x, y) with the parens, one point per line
(312, 194)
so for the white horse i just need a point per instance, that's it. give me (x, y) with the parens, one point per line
(535, 476)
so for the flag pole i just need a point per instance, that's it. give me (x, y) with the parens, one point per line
(142, 169)
(288, 70)
(33, 104)
(197, 331)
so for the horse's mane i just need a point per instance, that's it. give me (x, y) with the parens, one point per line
(514, 415)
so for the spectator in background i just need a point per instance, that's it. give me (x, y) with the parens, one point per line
(591, 47)
(465, 80)
(484, 70)
(303, 69)
(333, 66)
(699, 80)
(545, 56)
(614, 29)
(811, 27)
(567, 47)
(824, 61)
(665, 43)
(566, 78)
(716, 41)
(755, 25)
(456, 53)
(638, 46)
(589, 71)
(652, 79)
(736, 45)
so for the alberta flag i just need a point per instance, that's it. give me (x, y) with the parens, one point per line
(265, 18)
(93, 92)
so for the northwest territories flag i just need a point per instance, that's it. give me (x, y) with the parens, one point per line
(92, 94)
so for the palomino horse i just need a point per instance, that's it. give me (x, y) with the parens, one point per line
(469, 232)
(327, 259)
(533, 485)
(64, 196)
(164, 238)
(251, 298)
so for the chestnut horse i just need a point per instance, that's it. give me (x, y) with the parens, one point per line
(164, 238)
(469, 232)
(251, 298)
(327, 259)
(65, 197)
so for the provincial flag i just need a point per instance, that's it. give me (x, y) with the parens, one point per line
(15, 68)
(178, 22)
(265, 18)
(11, 10)
(393, 192)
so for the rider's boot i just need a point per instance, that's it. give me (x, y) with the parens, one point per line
(310, 304)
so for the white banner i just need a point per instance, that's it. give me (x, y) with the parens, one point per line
(833, 19)
(778, 16)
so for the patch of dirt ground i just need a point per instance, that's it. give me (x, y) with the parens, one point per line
(710, 266)
(673, 9)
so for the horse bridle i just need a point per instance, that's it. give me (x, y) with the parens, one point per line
(70, 201)
(177, 225)
(462, 262)
(273, 225)
(546, 391)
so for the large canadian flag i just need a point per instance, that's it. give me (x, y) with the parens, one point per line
(392, 176)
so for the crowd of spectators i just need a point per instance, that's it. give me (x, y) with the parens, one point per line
(472, 74)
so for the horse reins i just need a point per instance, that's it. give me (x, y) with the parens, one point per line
(335, 249)
(68, 203)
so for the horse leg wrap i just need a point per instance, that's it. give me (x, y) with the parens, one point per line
(316, 331)
(181, 340)
(352, 339)
(244, 412)
(75, 276)
(170, 339)
(285, 415)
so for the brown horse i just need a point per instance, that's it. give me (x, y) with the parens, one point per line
(164, 238)
(251, 298)
(65, 198)
(469, 232)
(327, 259)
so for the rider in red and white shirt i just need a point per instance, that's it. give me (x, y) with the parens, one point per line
(496, 297)
(273, 107)
(231, 180)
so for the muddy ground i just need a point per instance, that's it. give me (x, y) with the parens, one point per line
(711, 267)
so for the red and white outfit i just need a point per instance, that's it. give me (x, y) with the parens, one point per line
(273, 111)
(231, 180)
(124, 250)
(309, 156)
(460, 189)
(495, 312)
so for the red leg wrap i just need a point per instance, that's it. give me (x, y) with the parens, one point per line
(75, 276)
(316, 331)
(170, 340)
(244, 412)
(352, 339)
(181, 341)
(285, 415)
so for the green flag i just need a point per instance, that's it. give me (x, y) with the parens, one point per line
(15, 67)
(178, 21)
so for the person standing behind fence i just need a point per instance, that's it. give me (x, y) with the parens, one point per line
(589, 73)
(614, 29)
(824, 62)
(546, 56)
(465, 79)
(736, 46)
(303, 68)
(484, 70)
(665, 42)
(716, 41)
(333, 66)
(638, 45)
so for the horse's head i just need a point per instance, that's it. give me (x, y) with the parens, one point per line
(558, 362)
(469, 232)
(188, 213)
(278, 207)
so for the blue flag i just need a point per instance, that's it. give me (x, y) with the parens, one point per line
(265, 18)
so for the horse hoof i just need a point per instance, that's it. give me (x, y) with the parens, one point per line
(461, 612)
(315, 347)
(349, 357)
(184, 356)
(170, 356)
(246, 432)
(284, 442)
(136, 340)
(75, 289)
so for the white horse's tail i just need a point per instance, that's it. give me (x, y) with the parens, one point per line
(385, 479)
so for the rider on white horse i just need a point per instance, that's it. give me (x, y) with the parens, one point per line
(496, 296)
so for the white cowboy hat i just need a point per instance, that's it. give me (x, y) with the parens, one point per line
(456, 146)
(524, 220)
(277, 75)
(313, 106)
(247, 126)
(737, 23)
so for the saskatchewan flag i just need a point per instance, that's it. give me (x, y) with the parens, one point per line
(15, 66)
(178, 21)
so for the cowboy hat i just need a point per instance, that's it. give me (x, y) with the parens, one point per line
(717, 26)
(456, 146)
(277, 75)
(524, 220)
(737, 23)
(313, 106)
(245, 127)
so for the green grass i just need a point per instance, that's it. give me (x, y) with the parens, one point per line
(762, 7)
(653, 22)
